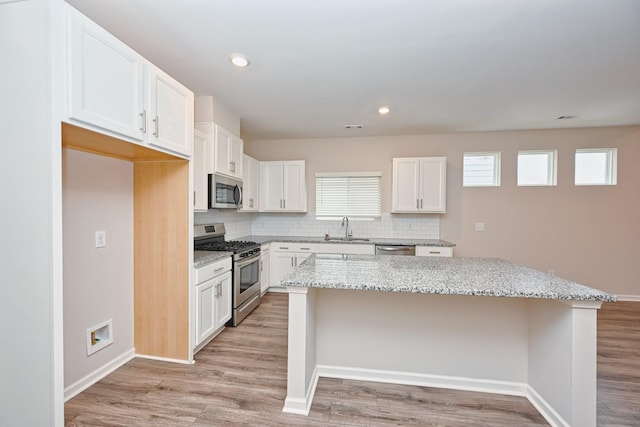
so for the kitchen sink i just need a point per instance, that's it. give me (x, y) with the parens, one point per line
(346, 239)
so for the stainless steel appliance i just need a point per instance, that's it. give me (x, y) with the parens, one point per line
(224, 192)
(246, 267)
(395, 250)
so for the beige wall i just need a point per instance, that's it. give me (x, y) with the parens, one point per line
(586, 234)
(98, 282)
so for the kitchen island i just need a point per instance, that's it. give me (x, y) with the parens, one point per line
(465, 323)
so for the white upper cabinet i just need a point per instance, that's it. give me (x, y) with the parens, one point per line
(250, 184)
(170, 113)
(112, 89)
(419, 185)
(283, 186)
(105, 79)
(225, 156)
(201, 142)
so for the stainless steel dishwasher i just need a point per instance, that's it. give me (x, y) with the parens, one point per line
(395, 250)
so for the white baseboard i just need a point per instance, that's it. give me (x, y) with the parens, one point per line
(302, 406)
(545, 409)
(278, 290)
(440, 381)
(95, 376)
(633, 298)
(164, 359)
(424, 380)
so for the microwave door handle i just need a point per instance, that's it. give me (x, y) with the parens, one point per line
(237, 195)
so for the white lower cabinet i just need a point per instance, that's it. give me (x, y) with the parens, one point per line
(265, 268)
(434, 251)
(212, 300)
(284, 258)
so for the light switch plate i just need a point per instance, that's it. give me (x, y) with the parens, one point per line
(101, 239)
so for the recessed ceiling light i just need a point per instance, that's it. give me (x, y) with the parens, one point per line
(384, 110)
(239, 60)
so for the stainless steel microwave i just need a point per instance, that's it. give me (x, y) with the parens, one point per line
(224, 192)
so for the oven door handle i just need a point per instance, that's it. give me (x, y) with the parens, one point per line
(247, 261)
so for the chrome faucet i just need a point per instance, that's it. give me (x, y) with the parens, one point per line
(345, 224)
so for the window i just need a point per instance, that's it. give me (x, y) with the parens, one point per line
(537, 167)
(481, 170)
(352, 194)
(596, 166)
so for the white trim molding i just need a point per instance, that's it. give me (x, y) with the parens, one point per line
(630, 298)
(95, 376)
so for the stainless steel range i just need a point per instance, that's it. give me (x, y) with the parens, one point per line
(246, 267)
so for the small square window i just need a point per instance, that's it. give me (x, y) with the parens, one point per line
(481, 170)
(596, 166)
(537, 167)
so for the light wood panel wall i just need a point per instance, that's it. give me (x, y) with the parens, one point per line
(161, 258)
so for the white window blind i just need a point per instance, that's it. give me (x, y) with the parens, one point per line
(481, 169)
(356, 195)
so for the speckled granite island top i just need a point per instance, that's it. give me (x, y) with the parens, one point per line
(434, 275)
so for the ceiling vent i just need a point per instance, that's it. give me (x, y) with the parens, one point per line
(569, 117)
(353, 126)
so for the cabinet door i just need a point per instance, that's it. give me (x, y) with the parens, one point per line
(222, 299)
(300, 257)
(294, 186)
(106, 79)
(406, 183)
(200, 197)
(236, 150)
(433, 175)
(271, 178)
(222, 156)
(205, 311)
(171, 113)
(282, 263)
(250, 188)
(265, 269)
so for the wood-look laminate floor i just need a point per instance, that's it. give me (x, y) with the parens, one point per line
(240, 379)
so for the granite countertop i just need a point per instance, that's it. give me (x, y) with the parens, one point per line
(202, 258)
(371, 241)
(434, 275)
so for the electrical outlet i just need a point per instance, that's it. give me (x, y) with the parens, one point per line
(101, 239)
(479, 226)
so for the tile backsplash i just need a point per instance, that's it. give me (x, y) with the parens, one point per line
(305, 224)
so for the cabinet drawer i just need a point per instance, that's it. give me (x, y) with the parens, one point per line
(211, 270)
(294, 247)
(434, 251)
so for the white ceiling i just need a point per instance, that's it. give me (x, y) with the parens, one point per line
(441, 65)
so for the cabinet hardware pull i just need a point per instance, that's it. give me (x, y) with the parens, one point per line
(194, 197)
(284, 247)
(305, 249)
(218, 269)
(156, 120)
(232, 166)
(144, 121)
(284, 203)
(417, 203)
(261, 265)
(219, 289)
(434, 252)
(420, 203)
(291, 261)
(250, 203)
